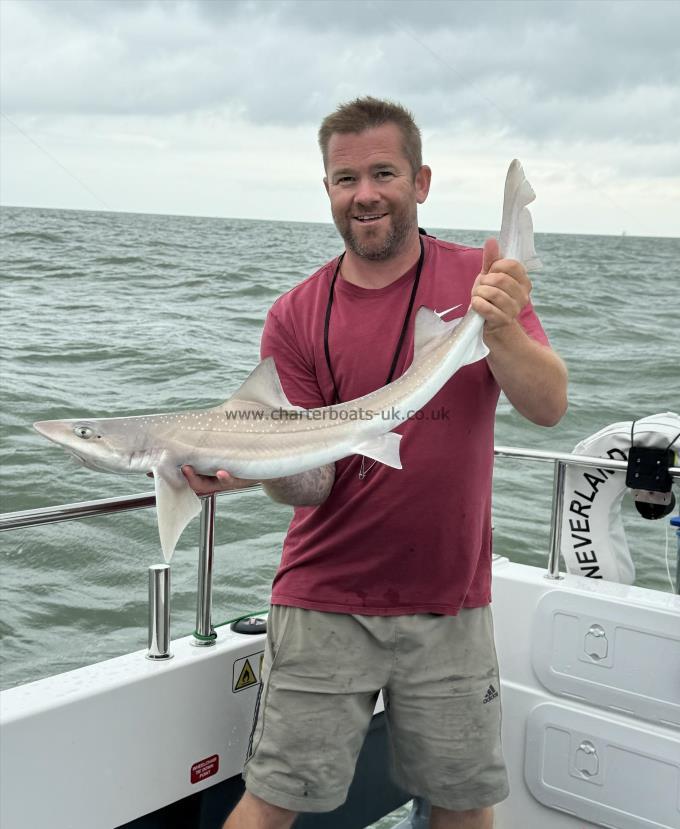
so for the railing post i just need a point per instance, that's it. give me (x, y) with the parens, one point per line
(159, 612)
(556, 521)
(205, 635)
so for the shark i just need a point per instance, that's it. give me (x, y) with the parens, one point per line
(258, 434)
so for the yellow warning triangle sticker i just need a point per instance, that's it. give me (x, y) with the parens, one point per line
(246, 678)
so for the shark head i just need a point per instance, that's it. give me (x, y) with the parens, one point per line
(129, 444)
(94, 443)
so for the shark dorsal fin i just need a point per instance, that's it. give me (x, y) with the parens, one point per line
(430, 327)
(263, 386)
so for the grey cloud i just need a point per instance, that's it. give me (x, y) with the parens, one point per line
(539, 69)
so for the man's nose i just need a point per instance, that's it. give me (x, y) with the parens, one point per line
(367, 190)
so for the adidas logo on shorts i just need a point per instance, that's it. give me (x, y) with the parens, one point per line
(491, 693)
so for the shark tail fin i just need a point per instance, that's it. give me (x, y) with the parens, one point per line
(516, 239)
(527, 251)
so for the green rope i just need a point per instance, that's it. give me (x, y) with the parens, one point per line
(212, 636)
(203, 638)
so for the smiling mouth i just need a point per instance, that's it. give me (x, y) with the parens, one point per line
(368, 218)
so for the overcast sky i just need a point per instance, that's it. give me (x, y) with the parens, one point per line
(206, 107)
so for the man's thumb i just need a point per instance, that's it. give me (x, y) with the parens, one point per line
(491, 254)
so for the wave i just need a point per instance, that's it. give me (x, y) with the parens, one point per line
(33, 236)
(118, 260)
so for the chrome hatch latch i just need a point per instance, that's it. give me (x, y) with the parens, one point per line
(586, 761)
(596, 644)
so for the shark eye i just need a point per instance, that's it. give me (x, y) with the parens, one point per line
(83, 432)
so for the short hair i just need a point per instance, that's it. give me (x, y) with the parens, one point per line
(367, 113)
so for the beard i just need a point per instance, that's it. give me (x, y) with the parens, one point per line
(377, 244)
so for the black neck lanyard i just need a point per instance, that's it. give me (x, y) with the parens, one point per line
(400, 341)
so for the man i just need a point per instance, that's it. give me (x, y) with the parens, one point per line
(385, 575)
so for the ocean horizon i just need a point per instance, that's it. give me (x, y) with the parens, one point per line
(623, 233)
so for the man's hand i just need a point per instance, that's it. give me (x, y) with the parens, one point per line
(501, 290)
(222, 481)
(307, 489)
(532, 376)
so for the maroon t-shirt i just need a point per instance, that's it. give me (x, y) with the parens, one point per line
(399, 541)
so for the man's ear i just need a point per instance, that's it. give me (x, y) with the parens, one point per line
(325, 184)
(422, 183)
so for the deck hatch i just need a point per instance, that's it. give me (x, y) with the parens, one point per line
(605, 771)
(610, 654)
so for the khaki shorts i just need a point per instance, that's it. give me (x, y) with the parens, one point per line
(321, 677)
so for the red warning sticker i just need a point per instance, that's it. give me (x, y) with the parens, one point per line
(205, 768)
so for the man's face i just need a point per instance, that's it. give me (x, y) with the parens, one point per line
(373, 193)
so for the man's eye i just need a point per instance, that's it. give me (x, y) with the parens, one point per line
(384, 174)
(83, 432)
(345, 179)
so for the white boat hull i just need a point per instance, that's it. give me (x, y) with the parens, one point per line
(590, 740)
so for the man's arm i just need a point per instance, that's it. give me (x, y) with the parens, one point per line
(532, 376)
(308, 489)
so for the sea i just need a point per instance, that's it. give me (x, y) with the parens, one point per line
(107, 314)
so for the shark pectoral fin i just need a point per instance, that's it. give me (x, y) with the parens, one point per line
(263, 386)
(384, 449)
(429, 327)
(176, 505)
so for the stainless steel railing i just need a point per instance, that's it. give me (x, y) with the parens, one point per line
(159, 612)
(205, 633)
(84, 509)
(144, 500)
(159, 575)
(561, 460)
